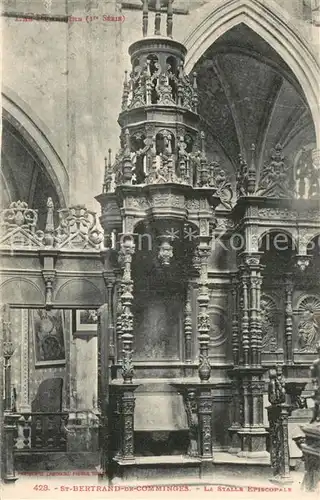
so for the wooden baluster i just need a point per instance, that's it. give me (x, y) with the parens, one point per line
(38, 432)
(50, 441)
(27, 431)
(62, 441)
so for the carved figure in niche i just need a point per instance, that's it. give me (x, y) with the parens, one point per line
(269, 338)
(308, 327)
(193, 422)
(276, 180)
(315, 374)
(307, 175)
(160, 173)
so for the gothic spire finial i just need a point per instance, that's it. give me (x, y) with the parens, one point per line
(203, 143)
(107, 173)
(125, 92)
(251, 182)
(49, 229)
(157, 19)
(109, 157)
(145, 13)
(169, 18)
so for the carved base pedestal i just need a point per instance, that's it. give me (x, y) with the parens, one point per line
(235, 447)
(311, 454)
(253, 442)
(126, 403)
(252, 434)
(82, 432)
(198, 403)
(10, 430)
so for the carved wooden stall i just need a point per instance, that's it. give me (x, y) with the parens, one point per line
(158, 208)
(199, 288)
(277, 216)
(53, 282)
(199, 323)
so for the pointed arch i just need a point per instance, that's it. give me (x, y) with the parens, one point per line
(32, 132)
(272, 23)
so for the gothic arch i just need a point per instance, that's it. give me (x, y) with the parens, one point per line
(292, 233)
(32, 132)
(273, 25)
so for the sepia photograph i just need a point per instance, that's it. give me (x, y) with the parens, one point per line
(160, 249)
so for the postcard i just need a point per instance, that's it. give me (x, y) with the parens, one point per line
(160, 249)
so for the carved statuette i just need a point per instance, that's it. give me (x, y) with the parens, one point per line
(276, 387)
(165, 252)
(315, 374)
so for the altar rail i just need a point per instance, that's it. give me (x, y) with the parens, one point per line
(41, 431)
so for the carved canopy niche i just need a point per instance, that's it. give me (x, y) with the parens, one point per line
(307, 324)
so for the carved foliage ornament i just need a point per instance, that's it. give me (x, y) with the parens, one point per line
(18, 226)
(78, 228)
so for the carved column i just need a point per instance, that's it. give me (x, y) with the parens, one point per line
(188, 326)
(235, 325)
(205, 422)
(24, 405)
(119, 324)
(109, 279)
(254, 271)
(48, 277)
(191, 406)
(10, 418)
(236, 414)
(126, 252)
(203, 316)
(127, 404)
(244, 302)
(278, 414)
(234, 373)
(252, 433)
(288, 321)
